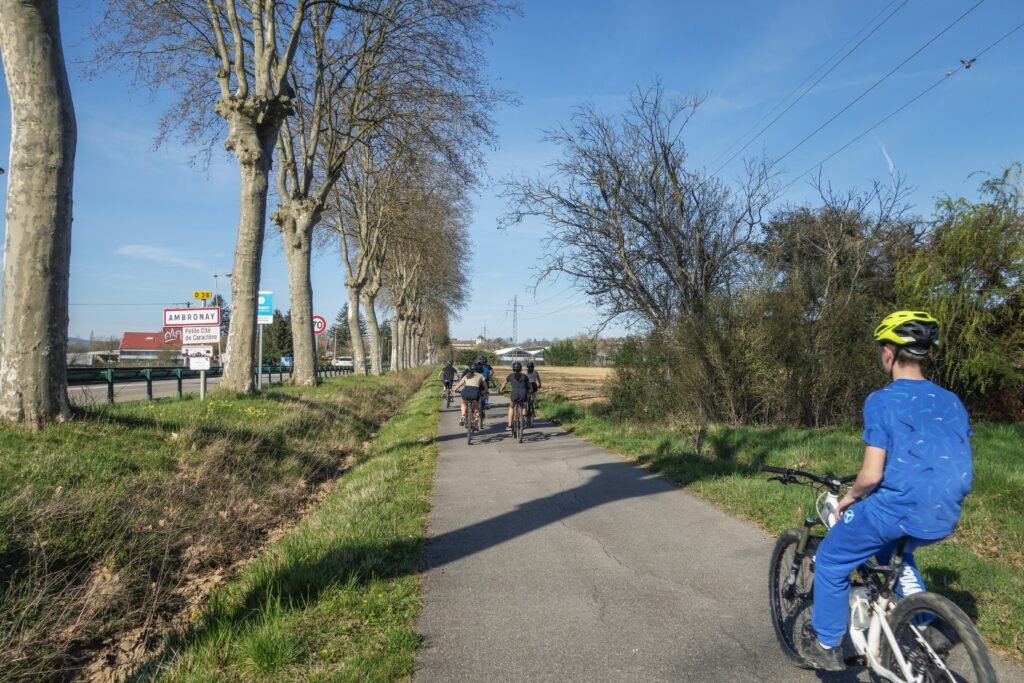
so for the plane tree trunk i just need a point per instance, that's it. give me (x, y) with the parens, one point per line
(296, 224)
(37, 245)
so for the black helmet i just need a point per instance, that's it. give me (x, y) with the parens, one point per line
(470, 368)
(529, 365)
(517, 367)
(478, 368)
(480, 360)
(448, 364)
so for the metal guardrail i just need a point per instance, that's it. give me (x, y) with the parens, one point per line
(112, 376)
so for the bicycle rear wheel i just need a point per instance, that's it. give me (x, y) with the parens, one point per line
(938, 641)
(519, 422)
(791, 603)
(470, 416)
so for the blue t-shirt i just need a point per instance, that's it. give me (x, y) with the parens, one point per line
(925, 433)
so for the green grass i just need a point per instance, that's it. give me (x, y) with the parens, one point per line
(981, 567)
(335, 598)
(103, 520)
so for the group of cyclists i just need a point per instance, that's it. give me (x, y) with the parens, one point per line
(475, 381)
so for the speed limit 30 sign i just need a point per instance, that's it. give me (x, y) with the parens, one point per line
(319, 324)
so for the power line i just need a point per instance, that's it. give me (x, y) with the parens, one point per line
(878, 82)
(159, 303)
(558, 310)
(811, 87)
(949, 74)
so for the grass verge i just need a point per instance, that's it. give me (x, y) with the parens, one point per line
(981, 567)
(115, 526)
(335, 598)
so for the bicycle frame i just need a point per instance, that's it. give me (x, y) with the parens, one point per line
(867, 642)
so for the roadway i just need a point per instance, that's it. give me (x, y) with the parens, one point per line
(92, 394)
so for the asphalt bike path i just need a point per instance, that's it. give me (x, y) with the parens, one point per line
(557, 560)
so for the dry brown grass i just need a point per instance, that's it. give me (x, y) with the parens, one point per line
(583, 385)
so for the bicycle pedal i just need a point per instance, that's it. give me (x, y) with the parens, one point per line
(856, 660)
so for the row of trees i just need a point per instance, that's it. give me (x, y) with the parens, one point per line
(375, 110)
(759, 314)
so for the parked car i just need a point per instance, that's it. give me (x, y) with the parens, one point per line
(343, 362)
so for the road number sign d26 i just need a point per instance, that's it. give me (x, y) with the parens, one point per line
(319, 324)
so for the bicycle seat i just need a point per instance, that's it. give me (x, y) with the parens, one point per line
(895, 563)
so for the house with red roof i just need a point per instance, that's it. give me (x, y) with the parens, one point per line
(151, 346)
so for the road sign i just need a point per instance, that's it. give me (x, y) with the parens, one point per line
(203, 294)
(191, 317)
(319, 324)
(197, 351)
(200, 335)
(199, 363)
(265, 308)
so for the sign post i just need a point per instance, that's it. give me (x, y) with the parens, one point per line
(264, 316)
(199, 359)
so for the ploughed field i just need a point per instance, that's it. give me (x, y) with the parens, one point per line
(584, 385)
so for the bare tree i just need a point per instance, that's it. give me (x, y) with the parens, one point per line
(644, 235)
(37, 246)
(417, 275)
(409, 79)
(229, 62)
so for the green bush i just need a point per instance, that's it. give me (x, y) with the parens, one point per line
(969, 273)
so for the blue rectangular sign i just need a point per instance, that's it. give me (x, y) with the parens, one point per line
(265, 308)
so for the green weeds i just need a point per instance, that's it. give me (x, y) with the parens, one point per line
(335, 598)
(111, 526)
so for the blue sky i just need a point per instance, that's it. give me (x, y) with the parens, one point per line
(150, 227)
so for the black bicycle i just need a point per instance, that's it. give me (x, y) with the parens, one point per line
(474, 420)
(922, 638)
(518, 420)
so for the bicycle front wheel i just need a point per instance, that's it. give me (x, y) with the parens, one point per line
(938, 641)
(791, 596)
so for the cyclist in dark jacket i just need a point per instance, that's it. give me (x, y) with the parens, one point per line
(520, 384)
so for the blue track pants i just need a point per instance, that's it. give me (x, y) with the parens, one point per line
(855, 538)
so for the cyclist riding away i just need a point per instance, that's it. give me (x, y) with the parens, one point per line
(918, 463)
(535, 384)
(487, 371)
(447, 375)
(520, 384)
(471, 385)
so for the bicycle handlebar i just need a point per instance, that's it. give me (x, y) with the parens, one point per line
(789, 475)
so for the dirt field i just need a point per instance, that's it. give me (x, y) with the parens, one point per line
(580, 384)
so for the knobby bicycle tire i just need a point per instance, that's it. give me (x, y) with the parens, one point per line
(790, 610)
(965, 656)
(519, 423)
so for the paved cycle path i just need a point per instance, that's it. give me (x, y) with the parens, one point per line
(557, 560)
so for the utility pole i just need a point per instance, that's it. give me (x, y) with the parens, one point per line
(515, 306)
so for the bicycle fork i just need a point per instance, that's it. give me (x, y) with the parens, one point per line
(799, 555)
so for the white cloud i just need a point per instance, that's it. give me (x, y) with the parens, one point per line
(889, 162)
(171, 257)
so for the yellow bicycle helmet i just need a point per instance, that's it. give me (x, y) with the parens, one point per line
(915, 331)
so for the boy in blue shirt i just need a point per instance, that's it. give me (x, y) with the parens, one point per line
(918, 468)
